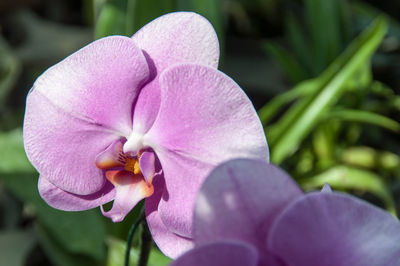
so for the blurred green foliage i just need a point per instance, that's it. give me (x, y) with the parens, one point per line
(324, 75)
(322, 93)
(125, 17)
(311, 118)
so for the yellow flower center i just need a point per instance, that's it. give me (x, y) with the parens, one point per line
(132, 165)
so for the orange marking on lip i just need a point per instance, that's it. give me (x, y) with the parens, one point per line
(132, 164)
(107, 163)
(127, 178)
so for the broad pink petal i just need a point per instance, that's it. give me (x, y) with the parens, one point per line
(204, 119)
(78, 107)
(330, 229)
(98, 83)
(240, 200)
(129, 190)
(60, 199)
(183, 178)
(172, 245)
(147, 165)
(181, 37)
(63, 148)
(218, 254)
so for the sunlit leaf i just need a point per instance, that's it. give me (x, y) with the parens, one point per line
(141, 12)
(362, 117)
(344, 178)
(286, 135)
(269, 110)
(324, 142)
(360, 156)
(368, 157)
(111, 20)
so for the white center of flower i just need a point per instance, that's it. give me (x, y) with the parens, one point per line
(133, 144)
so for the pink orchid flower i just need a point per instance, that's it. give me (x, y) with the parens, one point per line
(150, 116)
(252, 213)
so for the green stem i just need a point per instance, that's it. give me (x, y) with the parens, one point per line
(131, 234)
(146, 246)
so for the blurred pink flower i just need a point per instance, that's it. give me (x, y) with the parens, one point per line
(252, 213)
(144, 117)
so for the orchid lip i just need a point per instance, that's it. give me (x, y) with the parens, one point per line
(114, 158)
(132, 176)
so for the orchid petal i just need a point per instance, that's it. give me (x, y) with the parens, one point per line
(204, 119)
(147, 165)
(176, 205)
(172, 245)
(129, 190)
(111, 157)
(63, 148)
(329, 229)
(219, 253)
(78, 107)
(60, 199)
(181, 37)
(98, 83)
(240, 200)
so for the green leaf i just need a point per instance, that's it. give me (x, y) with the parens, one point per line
(15, 247)
(58, 254)
(12, 153)
(345, 177)
(269, 110)
(116, 254)
(11, 209)
(141, 12)
(111, 21)
(66, 227)
(97, 7)
(287, 62)
(34, 51)
(362, 117)
(370, 158)
(285, 136)
(324, 142)
(324, 22)
(10, 68)
(296, 36)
